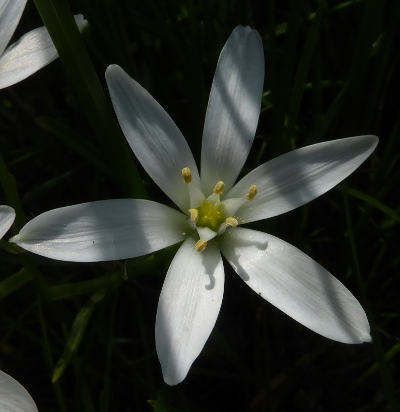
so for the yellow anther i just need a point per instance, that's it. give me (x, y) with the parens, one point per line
(231, 221)
(200, 245)
(219, 188)
(194, 214)
(187, 176)
(252, 192)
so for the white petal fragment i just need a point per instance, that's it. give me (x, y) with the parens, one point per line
(10, 15)
(296, 284)
(7, 216)
(30, 53)
(297, 177)
(233, 108)
(153, 136)
(188, 308)
(13, 396)
(103, 230)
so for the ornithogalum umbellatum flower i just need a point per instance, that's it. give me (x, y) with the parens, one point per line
(212, 209)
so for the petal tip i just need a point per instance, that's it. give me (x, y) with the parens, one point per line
(366, 337)
(172, 380)
(112, 69)
(370, 139)
(15, 239)
(245, 31)
(81, 22)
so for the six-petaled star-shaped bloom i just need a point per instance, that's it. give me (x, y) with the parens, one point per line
(13, 396)
(212, 209)
(31, 52)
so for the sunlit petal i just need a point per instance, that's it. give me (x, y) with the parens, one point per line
(296, 284)
(297, 177)
(30, 53)
(103, 230)
(153, 136)
(188, 308)
(10, 14)
(233, 108)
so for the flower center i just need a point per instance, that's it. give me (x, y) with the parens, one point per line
(209, 216)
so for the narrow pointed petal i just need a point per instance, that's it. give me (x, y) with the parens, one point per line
(297, 177)
(103, 230)
(296, 284)
(188, 308)
(13, 396)
(30, 53)
(7, 217)
(10, 15)
(233, 108)
(153, 136)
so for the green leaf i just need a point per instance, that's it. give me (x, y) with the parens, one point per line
(77, 332)
(69, 290)
(61, 130)
(373, 202)
(94, 102)
(389, 355)
(14, 282)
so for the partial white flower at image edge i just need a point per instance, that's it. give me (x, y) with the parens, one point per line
(13, 396)
(212, 209)
(31, 52)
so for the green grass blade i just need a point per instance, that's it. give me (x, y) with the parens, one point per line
(58, 18)
(14, 282)
(77, 332)
(373, 202)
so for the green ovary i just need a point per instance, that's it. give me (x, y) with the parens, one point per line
(210, 215)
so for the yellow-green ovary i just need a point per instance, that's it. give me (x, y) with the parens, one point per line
(210, 215)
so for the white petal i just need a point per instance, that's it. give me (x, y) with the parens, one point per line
(205, 233)
(30, 53)
(188, 308)
(7, 216)
(10, 14)
(103, 230)
(297, 177)
(296, 284)
(13, 396)
(233, 108)
(153, 136)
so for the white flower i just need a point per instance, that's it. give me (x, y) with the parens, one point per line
(31, 52)
(213, 206)
(13, 396)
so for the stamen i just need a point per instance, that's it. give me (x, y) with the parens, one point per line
(200, 245)
(194, 215)
(187, 176)
(231, 221)
(252, 192)
(219, 188)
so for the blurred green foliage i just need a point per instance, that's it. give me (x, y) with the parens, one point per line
(80, 337)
